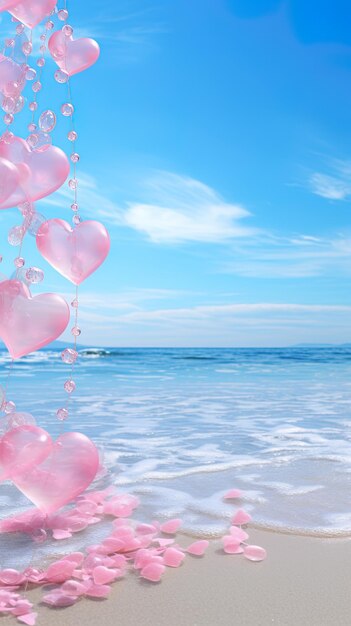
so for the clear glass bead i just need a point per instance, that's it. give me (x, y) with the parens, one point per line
(39, 141)
(32, 127)
(43, 37)
(41, 62)
(76, 331)
(31, 73)
(33, 106)
(35, 222)
(20, 102)
(62, 414)
(15, 236)
(8, 104)
(36, 86)
(67, 30)
(76, 219)
(42, 49)
(27, 48)
(19, 261)
(67, 109)
(75, 303)
(49, 25)
(75, 157)
(47, 121)
(7, 137)
(69, 386)
(9, 407)
(26, 208)
(69, 356)
(73, 183)
(61, 76)
(35, 275)
(19, 29)
(8, 118)
(9, 43)
(75, 207)
(11, 89)
(62, 15)
(72, 135)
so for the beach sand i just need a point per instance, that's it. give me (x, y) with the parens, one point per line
(304, 581)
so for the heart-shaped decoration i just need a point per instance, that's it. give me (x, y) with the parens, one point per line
(68, 470)
(73, 55)
(41, 173)
(21, 449)
(26, 323)
(12, 77)
(75, 253)
(9, 179)
(31, 12)
(5, 5)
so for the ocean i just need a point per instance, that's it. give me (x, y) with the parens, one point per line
(180, 427)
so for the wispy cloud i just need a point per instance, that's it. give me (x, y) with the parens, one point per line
(334, 185)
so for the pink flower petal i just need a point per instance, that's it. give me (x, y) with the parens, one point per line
(241, 517)
(153, 572)
(103, 575)
(173, 557)
(73, 588)
(60, 571)
(238, 533)
(98, 591)
(231, 545)
(232, 494)
(171, 526)
(255, 553)
(163, 542)
(29, 619)
(198, 548)
(58, 534)
(56, 598)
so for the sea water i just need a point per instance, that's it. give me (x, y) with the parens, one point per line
(180, 427)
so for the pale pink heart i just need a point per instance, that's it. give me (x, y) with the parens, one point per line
(31, 12)
(21, 449)
(9, 179)
(5, 5)
(153, 572)
(29, 619)
(103, 575)
(241, 517)
(41, 173)
(238, 533)
(173, 557)
(171, 526)
(26, 323)
(74, 253)
(71, 55)
(12, 77)
(59, 599)
(255, 553)
(232, 494)
(231, 545)
(198, 548)
(98, 591)
(60, 571)
(66, 472)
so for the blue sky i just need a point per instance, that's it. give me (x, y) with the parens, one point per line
(215, 146)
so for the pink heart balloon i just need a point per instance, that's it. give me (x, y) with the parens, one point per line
(21, 449)
(26, 323)
(41, 172)
(12, 77)
(71, 55)
(9, 179)
(75, 253)
(7, 4)
(66, 472)
(31, 12)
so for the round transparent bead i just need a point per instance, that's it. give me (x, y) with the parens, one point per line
(69, 386)
(61, 76)
(7, 137)
(31, 73)
(73, 183)
(62, 15)
(9, 407)
(76, 219)
(19, 261)
(19, 29)
(76, 331)
(33, 106)
(47, 121)
(9, 43)
(8, 118)
(49, 25)
(39, 141)
(8, 104)
(32, 127)
(69, 356)
(72, 135)
(43, 37)
(11, 89)
(20, 102)
(34, 275)
(67, 109)
(75, 303)
(75, 207)
(36, 86)
(67, 30)
(26, 208)
(41, 62)
(75, 157)
(42, 49)
(62, 414)
(27, 48)
(15, 236)
(35, 222)
(39, 535)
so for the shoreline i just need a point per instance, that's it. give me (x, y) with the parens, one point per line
(304, 580)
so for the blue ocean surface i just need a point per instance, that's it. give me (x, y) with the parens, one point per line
(179, 427)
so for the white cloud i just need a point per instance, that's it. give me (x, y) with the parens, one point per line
(181, 209)
(335, 185)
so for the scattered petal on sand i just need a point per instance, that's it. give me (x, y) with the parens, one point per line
(171, 527)
(153, 572)
(232, 494)
(29, 619)
(173, 557)
(198, 548)
(241, 517)
(255, 553)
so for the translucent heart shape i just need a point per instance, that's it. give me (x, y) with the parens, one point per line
(21, 449)
(33, 12)
(73, 55)
(75, 253)
(26, 323)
